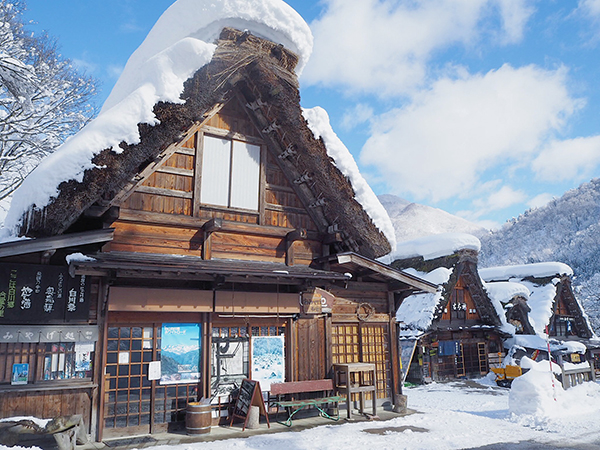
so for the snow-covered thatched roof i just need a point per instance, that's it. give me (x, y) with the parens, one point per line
(545, 282)
(180, 74)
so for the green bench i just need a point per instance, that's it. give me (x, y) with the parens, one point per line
(285, 393)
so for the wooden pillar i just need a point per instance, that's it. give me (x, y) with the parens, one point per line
(395, 357)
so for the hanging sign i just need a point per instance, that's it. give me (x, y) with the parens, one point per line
(39, 294)
(317, 301)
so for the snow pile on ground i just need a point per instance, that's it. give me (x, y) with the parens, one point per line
(318, 122)
(178, 45)
(535, 401)
(435, 246)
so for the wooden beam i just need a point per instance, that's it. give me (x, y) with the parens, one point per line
(165, 192)
(176, 171)
(387, 271)
(55, 242)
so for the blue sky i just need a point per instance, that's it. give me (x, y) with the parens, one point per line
(482, 108)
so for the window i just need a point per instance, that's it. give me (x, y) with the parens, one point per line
(230, 173)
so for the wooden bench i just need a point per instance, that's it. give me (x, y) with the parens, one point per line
(292, 406)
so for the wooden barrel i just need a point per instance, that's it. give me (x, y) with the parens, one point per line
(198, 418)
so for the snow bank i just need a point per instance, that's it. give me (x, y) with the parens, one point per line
(537, 270)
(533, 396)
(318, 122)
(178, 45)
(435, 246)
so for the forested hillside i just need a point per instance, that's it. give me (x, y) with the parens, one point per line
(565, 230)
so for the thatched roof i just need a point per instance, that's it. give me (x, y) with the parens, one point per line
(463, 264)
(260, 73)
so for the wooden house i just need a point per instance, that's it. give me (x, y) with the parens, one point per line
(226, 230)
(551, 307)
(552, 303)
(451, 333)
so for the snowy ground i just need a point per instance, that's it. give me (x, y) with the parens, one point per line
(458, 415)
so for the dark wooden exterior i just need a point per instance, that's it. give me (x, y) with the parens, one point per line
(237, 273)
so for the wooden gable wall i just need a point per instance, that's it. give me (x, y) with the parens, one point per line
(162, 213)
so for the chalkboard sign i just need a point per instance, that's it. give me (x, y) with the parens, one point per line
(249, 395)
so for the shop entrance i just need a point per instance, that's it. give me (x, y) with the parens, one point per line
(133, 404)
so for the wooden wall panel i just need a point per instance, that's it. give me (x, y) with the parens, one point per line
(46, 404)
(131, 237)
(233, 118)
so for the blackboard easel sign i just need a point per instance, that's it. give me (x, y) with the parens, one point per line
(249, 395)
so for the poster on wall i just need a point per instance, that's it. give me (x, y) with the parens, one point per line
(268, 360)
(180, 353)
(20, 373)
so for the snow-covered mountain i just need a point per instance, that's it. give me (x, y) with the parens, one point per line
(567, 230)
(412, 220)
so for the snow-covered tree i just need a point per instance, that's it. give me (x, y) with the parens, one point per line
(43, 99)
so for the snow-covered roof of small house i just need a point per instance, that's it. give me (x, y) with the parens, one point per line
(541, 279)
(417, 311)
(158, 78)
(536, 270)
(505, 291)
(435, 246)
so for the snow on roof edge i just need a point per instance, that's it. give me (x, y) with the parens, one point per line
(536, 270)
(320, 126)
(435, 246)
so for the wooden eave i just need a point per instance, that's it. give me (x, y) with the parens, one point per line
(369, 268)
(144, 265)
(55, 242)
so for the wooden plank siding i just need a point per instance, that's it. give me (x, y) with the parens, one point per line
(172, 191)
(46, 404)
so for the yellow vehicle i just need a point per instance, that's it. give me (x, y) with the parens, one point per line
(505, 375)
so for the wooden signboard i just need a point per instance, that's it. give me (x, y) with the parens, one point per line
(249, 395)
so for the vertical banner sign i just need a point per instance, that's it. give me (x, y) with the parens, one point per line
(42, 294)
(268, 360)
(180, 353)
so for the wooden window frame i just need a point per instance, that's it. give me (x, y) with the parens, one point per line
(262, 180)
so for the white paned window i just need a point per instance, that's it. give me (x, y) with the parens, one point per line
(216, 163)
(230, 173)
(245, 170)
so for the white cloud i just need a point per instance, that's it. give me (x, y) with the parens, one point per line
(501, 199)
(540, 200)
(572, 159)
(591, 7)
(358, 115)
(515, 14)
(383, 46)
(440, 145)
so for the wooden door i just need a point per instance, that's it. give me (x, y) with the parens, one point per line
(365, 342)
(310, 352)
